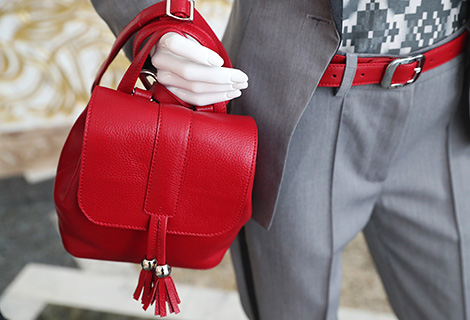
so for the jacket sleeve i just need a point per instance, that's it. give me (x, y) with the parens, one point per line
(118, 13)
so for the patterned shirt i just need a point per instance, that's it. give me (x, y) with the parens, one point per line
(399, 26)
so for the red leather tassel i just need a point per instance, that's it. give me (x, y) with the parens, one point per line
(165, 292)
(172, 295)
(140, 285)
(155, 281)
(147, 279)
(144, 287)
(147, 293)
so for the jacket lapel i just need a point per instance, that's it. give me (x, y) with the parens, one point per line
(285, 48)
(337, 13)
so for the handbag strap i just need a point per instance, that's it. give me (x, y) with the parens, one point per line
(150, 25)
(207, 38)
(200, 32)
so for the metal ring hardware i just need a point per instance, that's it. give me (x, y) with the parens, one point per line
(191, 12)
(392, 67)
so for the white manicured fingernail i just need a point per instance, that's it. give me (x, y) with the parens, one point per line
(240, 85)
(215, 60)
(238, 76)
(234, 94)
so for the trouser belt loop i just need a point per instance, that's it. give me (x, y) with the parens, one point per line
(348, 76)
(467, 48)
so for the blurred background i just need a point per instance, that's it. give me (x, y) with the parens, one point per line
(50, 51)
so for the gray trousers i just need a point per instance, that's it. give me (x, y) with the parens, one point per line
(392, 163)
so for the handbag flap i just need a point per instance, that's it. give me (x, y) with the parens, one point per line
(141, 158)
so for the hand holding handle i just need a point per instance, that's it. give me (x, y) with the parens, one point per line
(193, 72)
(153, 23)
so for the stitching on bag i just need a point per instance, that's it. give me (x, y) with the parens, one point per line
(188, 141)
(157, 140)
(155, 239)
(247, 174)
(84, 153)
(81, 200)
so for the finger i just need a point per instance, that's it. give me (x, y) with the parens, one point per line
(170, 79)
(190, 49)
(191, 71)
(202, 99)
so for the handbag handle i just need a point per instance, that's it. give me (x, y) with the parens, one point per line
(152, 33)
(198, 29)
(207, 38)
(152, 23)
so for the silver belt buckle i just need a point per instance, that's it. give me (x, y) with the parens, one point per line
(191, 12)
(390, 71)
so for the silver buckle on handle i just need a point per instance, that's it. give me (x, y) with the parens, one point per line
(191, 12)
(144, 74)
(390, 71)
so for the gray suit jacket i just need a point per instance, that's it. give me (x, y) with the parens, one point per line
(284, 47)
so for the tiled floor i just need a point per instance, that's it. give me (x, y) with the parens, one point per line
(38, 285)
(39, 275)
(44, 292)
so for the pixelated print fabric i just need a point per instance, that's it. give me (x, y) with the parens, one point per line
(397, 26)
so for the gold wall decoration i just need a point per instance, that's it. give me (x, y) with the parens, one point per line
(50, 51)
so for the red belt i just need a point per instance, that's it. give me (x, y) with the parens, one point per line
(393, 72)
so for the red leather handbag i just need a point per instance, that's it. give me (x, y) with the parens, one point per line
(145, 178)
